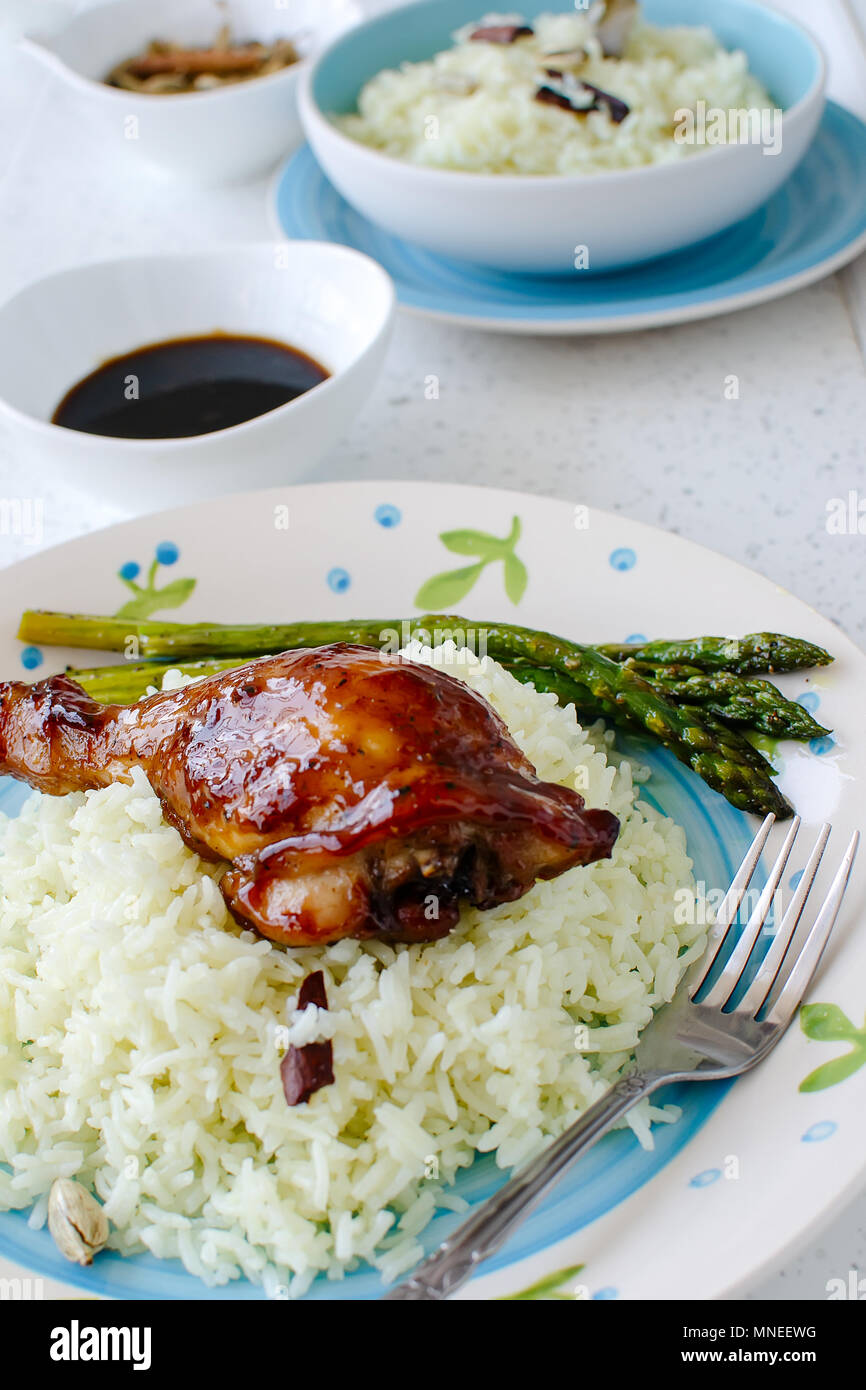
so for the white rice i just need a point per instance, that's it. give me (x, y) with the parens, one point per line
(140, 1028)
(419, 113)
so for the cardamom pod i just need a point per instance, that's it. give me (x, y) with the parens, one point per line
(76, 1221)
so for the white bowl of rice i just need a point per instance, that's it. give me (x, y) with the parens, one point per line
(564, 141)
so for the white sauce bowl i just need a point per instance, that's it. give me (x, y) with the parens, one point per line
(332, 303)
(225, 134)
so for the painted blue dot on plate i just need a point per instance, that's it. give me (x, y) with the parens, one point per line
(822, 745)
(339, 580)
(388, 516)
(623, 559)
(606, 1293)
(31, 657)
(130, 570)
(809, 700)
(167, 553)
(706, 1178)
(795, 878)
(817, 1132)
(635, 639)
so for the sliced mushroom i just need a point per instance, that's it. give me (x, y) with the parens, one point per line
(573, 94)
(549, 96)
(569, 61)
(616, 106)
(500, 33)
(614, 28)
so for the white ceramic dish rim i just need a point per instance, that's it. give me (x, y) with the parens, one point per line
(33, 44)
(377, 159)
(240, 431)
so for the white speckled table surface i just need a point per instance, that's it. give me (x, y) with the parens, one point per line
(638, 423)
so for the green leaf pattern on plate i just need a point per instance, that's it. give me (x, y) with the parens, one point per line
(827, 1023)
(445, 590)
(548, 1289)
(148, 599)
(516, 578)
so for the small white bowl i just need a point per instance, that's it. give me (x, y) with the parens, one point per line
(229, 133)
(333, 303)
(541, 223)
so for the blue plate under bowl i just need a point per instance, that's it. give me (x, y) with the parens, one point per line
(815, 224)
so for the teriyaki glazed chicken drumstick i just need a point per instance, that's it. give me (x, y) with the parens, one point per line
(354, 793)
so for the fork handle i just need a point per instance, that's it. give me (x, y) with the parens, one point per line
(448, 1268)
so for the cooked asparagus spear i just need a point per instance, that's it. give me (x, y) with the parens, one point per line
(733, 740)
(567, 691)
(717, 755)
(750, 655)
(724, 759)
(545, 679)
(754, 704)
(159, 639)
(125, 683)
(743, 656)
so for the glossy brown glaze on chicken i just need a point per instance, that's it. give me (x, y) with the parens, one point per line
(354, 793)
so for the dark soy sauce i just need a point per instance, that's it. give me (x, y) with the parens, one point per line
(187, 386)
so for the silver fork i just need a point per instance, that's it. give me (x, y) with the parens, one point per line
(688, 1040)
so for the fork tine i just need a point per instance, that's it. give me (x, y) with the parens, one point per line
(763, 981)
(796, 981)
(730, 904)
(736, 963)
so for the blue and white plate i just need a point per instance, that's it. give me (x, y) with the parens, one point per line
(750, 1166)
(815, 224)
